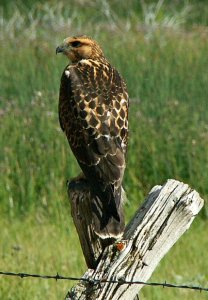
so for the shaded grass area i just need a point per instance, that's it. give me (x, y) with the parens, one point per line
(95, 12)
(166, 72)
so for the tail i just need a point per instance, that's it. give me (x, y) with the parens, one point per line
(108, 216)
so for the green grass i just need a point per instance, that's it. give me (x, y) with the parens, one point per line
(27, 247)
(38, 245)
(164, 61)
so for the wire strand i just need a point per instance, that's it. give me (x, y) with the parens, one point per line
(99, 281)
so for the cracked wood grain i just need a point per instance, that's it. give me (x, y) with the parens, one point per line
(165, 215)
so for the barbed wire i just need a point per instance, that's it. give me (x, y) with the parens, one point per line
(99, 281)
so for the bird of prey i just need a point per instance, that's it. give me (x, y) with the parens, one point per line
(93, 113)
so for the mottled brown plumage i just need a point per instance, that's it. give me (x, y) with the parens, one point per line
(93, 113)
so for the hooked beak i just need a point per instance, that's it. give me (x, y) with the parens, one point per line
(63, 48)
(60, 49)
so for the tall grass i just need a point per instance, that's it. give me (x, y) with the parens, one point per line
(163, 57)
(168, 116)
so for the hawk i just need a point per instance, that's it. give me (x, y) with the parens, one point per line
(93, 113)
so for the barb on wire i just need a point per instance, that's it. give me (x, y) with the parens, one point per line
(99, 281)
(56, 277)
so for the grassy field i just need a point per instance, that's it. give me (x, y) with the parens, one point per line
(161, 50)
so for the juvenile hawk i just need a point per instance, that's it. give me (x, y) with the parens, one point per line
(93, 113)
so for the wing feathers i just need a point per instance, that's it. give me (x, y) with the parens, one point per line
(93, 112)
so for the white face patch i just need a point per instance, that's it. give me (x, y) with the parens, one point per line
(67, 73)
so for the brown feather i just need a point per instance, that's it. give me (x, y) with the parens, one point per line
(93, 112)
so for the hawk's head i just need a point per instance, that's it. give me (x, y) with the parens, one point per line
(80, 47)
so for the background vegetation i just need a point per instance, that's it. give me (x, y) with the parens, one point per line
(160, 48)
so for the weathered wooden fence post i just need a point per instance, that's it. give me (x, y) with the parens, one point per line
(165, 215)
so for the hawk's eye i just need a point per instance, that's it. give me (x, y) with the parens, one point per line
(76, 44)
